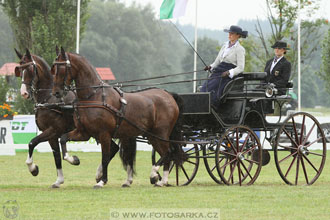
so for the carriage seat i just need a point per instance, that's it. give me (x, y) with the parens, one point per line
(235, 87)
(249, 76)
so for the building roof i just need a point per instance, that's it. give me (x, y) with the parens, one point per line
(8, 69)
(105, 73)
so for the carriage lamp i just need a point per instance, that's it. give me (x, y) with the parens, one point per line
(270, 90)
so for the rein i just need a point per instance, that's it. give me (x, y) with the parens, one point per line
(116, 112)
(156, 77)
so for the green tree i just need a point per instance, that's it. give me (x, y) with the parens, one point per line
(3, 89)
(282, 17)
(325, 68)
(6, 42)
(40, 24)
(132, 42)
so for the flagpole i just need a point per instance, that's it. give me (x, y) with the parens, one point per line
(299, 70)
(78, 26)
(195, 54)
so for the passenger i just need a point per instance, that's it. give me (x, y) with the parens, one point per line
(278, 69)
(229, 63)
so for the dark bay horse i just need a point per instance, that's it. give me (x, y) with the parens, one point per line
(37, 83)
(104, 112)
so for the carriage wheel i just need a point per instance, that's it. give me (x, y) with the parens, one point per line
(182, 175)
(239, 156)
(296, 158)
(209, 151)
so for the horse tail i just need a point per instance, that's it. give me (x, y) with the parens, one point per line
(177, 154)
(128, 152)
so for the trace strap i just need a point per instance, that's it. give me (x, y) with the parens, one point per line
(95, 104)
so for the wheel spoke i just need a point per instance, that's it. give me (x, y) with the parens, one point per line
(184, 171)
(177, 174)
(228, 153)
(224, 169)
(231, 176)
(252, 161)
(289, 136)
(193, 148)
(302, 129)
(218, 163)
(292, 162)
(310, 163)
(295, 130)
(297, 170)
(292, 154)
(171, 167)
(252, 148)
(231, 144)
(226, 164)
(246, 169)
(245, 141)
(304, 169)
(287, 147)
(321, 155)
(309, 133)
(188, 161)
(308, 145)
(239, 173)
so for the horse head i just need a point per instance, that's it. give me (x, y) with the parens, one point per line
(61, 69)
(27, 70)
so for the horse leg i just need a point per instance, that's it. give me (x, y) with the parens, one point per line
(74, 160)
(127, 155)
(114, 148)
(105, 140)
(57, 157)
(154, 176)
(46, 135)
(163, 148)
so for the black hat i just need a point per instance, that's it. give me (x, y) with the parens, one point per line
(280, 45)
(237, 30)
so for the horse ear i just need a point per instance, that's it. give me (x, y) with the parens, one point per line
(17, 72)
(57, 50)
(28, 54)
(62, 52)
(19, 55)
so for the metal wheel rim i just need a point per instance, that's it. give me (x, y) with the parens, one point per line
(302, 161)
(237, 159)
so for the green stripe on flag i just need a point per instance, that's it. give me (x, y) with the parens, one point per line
(23, 138)
(166, 10)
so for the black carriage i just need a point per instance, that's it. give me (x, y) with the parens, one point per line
(228, 138)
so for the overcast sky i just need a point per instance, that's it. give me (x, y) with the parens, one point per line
(219, 14)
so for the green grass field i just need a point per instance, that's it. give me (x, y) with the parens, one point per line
(268, 198)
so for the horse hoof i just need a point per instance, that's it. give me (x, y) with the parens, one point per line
(154, 179)
(55, 186)
(97, 187)
(76, 161)
(125, 185)
(168, 185)
(98, 179)
(35, 172)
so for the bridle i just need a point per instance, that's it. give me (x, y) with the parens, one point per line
(22, 68)
(68, 71)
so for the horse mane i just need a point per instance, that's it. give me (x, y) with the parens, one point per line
(87, 61)
(44, 65)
